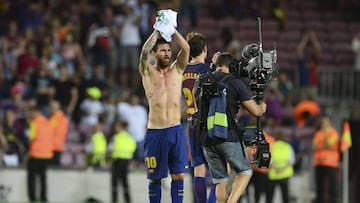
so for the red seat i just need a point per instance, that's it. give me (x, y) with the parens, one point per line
(294, 25)
(207, 22)
(312, 16)
(338, 25)
(293, 15)
(248, 24)
(332, 16)
(269, 24)
(316, 25)
(327, 58)
(340, 36)
(270, 34)
(290, 36)
(323, 37)
(343, 59)
(354, 28)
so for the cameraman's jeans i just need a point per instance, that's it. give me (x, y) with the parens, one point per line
(231, 152)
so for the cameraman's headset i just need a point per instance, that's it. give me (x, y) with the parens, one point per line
(233, 65)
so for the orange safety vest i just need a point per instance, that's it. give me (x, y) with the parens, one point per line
(271, 140)
(41, 144)
(326, 156)
(60, 124)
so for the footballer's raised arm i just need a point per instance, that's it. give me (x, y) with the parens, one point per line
(182, 58)
(144, 63)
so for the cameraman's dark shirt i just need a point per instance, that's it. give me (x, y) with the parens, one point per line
(237, 91)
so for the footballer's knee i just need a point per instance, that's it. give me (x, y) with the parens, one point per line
(179, 176)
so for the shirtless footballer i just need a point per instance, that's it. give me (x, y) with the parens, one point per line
(165, 146)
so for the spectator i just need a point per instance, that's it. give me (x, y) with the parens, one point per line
(147, 10)
(355, 45)
(286, 88)
(33, 15)
(42, 89)
(308, 53)
(136, 116)
(12, 35)
(110, 107)
(129, 44)
(99, 42)
(3, 145)
(20, 107)
(92, 107)
(28, 62)
(97, 78)
(277, 8)
(40, 153)
(72, 54)
(274, 100)
(66, 92)
(229, 43)
(81, 84)
(191, 9)
(15, 148)
(9, 57)
(51, 59)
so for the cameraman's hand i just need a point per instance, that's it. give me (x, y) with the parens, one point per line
(254, 108)
(263, 107)
(215, 56)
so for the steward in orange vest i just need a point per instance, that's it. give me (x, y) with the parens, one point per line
(60, 124)
(40, 153)
(326, 160)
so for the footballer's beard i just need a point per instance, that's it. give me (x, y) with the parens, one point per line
(164, 63)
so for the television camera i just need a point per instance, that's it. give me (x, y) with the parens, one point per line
(258, 66)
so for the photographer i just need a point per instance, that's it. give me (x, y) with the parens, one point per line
(227, 149)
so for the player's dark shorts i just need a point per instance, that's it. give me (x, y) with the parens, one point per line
(165, 149)
(197, 152)
(231, 152)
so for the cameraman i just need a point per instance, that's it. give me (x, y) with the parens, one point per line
(218, 151)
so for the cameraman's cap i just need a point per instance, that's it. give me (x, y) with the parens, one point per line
(94, 92)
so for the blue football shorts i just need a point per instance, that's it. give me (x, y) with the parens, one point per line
(164, 150)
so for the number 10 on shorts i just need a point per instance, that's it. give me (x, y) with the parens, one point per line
(151, 162)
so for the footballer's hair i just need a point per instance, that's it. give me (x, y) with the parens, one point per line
(197, 43)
